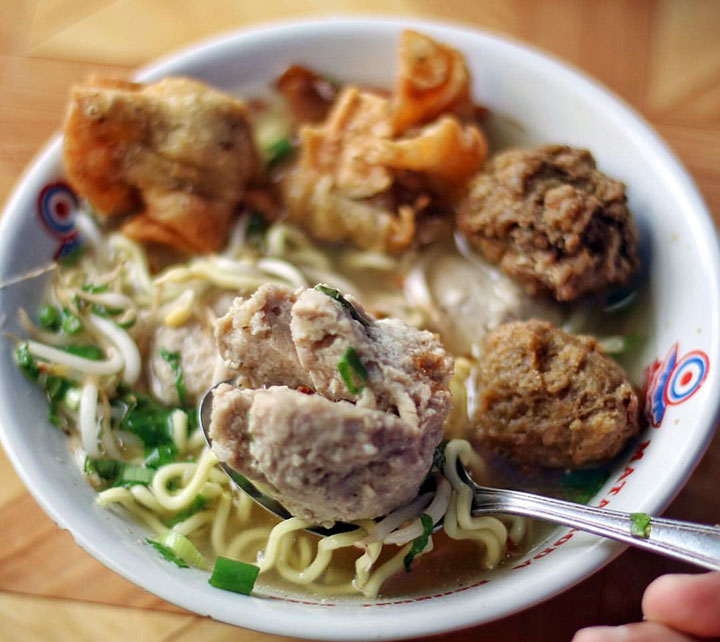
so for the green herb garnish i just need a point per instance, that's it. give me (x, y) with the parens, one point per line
(352, 370)
(640, 525)
(173, 359)
(27, 362)
(420, 542)
(439, 455)
(335, 294)
(73, 256)
(71, 324)
(126, 325)
(55, 389)
(145, 418)
(257, 224)
(196, 506)
(94, 353)
(167, 553)
(91, 288)
(49, 318)
(134, 475)
(181, 548)
(152, 425)
(104, 311)
(160, 455)
(279, 151)
(231, 575)
(107, 469)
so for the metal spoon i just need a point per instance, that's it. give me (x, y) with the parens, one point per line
(694, 543)
(267, 502)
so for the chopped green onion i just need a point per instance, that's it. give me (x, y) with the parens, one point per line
(257, 223)
(279, 151)
(94, 289)
(56, 389)
(133, 475)
(126, 325)
(439, 455)
(108, 469)
(104, 311)
(196, 506)
(27, 362)
(231, 575)
(167, 553)
(160, 455)
(640, 525)
(145, 418)
(71, 324)
(53, 416)
(91, 352)
(49, 318)
(173, 358)
(152, 425)
(335, 294)
(180, 547)
(420, 542)
(350, 368)
(73, 256)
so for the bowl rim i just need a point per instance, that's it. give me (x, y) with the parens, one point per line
(591, 561)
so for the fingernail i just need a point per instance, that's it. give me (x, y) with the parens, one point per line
(600, 634)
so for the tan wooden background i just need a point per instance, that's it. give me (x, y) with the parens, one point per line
(662, 56)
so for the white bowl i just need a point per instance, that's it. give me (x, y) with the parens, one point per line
(553, 103)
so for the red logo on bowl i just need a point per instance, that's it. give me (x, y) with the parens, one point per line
(672, 381)
(57, 206)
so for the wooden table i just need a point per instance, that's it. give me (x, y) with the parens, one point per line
(662, 56)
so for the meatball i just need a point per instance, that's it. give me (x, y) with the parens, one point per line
(329, 447)
(198, 358)
(323, 460)
(282, 338)
(551, 398)
(552, 221)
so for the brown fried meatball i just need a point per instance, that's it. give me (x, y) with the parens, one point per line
(552, 221)
(551, 398)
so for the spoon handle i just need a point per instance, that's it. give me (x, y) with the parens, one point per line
(686, 541)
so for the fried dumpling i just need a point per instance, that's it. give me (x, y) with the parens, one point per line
(343, 187)
(433, 79)
(176, 152)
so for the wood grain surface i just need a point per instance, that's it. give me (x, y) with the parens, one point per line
(662, 56)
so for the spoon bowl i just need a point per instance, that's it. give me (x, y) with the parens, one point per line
(268, 503)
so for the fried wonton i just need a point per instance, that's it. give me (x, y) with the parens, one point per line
(353, 178)
(176, 152)
(432, 79)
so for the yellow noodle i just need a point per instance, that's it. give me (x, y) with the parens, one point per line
(200, 473)
(123, 497)
(243, 540)
(219, 523)
(194, 522)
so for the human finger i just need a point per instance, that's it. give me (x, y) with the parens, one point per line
(638, 632)
(689, 603)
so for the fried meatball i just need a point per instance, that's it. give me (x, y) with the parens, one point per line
(550, 398)
(551, 220)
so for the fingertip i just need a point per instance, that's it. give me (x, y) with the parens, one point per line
(596, 634)
(686, 602)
